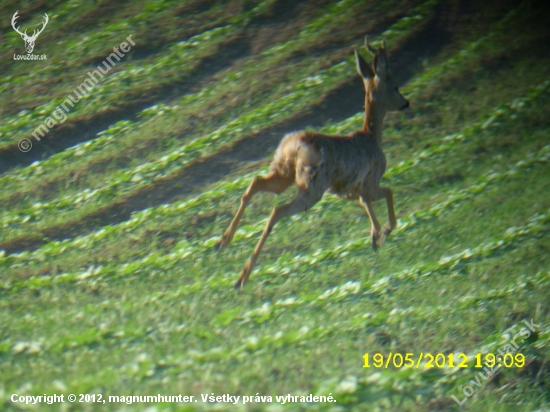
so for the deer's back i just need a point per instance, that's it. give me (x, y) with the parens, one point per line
(346, 165)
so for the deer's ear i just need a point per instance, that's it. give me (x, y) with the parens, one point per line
(363, 68)
(381, 66)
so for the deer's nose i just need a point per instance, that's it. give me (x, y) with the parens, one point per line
(406, 106)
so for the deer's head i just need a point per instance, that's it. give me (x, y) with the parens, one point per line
(380, 87)
(29, 40)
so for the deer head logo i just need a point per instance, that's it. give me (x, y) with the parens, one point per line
(29, 40)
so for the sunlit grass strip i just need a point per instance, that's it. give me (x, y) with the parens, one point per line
(193, 104)
(221, 190)
(269, 311)
(404, 224)
(113, 133)
(503, 112)
(536, 225)
(266, 59)
(224, 136)
(465, 56)
(521, 284)
(118, 129)
(179, 59)
(184, 249)
(403, 379)
(186, 55)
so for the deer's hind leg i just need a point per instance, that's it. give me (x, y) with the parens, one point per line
(274, 182)
(304, 200)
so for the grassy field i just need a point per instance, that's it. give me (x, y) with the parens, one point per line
(109, 281)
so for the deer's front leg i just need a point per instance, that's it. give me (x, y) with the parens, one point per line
(379, 237)
(374, 224)
(385, 192)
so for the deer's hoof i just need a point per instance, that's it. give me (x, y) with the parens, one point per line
(244, 276)
(220, 244)
(239, 285)
(374, 244)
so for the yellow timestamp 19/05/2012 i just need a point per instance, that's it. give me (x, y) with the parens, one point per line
(441, 360)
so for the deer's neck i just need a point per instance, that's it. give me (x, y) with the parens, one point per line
(374, 117)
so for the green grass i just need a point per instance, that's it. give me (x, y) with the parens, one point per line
(145, 306)
(302, 95)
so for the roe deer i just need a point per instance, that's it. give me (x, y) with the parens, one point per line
(350, 166)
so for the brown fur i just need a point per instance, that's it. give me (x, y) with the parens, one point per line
(346, 165)
(350, 166)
